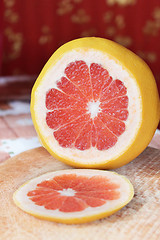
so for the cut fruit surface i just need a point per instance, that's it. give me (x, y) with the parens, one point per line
(83, 122)
(95, 104)
(74, 196)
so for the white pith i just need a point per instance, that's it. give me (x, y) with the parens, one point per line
(116, 71)
(23, 201)
(69, 192)
(93, 108)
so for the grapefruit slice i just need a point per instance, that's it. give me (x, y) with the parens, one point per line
(95, 104)
(74, 196)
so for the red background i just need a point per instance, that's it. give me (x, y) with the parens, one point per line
(31, 30)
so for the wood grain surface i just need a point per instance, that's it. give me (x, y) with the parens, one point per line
(140, 219)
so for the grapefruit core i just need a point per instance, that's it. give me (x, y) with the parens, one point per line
(74, 196)
(95, 104)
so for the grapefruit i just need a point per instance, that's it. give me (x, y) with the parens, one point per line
(74, 196)
(95, 104)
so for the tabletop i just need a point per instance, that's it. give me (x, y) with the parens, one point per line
(17, 133)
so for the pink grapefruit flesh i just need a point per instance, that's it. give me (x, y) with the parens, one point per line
(88, 108)
(72, 193)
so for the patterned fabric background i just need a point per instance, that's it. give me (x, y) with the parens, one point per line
(31, 30)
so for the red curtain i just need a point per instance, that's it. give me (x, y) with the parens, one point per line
(32, 30)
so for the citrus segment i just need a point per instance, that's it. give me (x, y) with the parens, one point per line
(84, 138)
(56, 99)
(69, 88)
(74, 194)
(105, 138)
(91, 105)
(73, 204)
(105, 86)
(67, 134)
(54, 204)
(116, 89)
(61, 117)
(121, 114)
(78, 73)
(116, 103)
(50, 184)
(114, 125)
(99, 76)
(92, 201)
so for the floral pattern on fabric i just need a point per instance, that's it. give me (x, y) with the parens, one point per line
(51, 24)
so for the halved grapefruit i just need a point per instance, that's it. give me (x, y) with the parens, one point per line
(74, 196)
(95, 104)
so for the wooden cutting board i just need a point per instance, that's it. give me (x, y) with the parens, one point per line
(140, 219)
